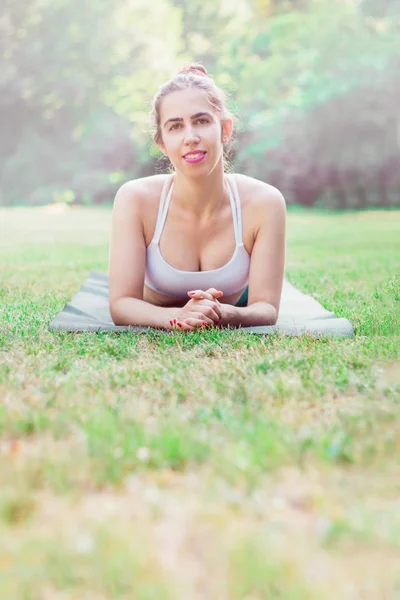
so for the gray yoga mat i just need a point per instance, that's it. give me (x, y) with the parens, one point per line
(299, 313)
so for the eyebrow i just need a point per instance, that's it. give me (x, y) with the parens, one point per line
(196, 116)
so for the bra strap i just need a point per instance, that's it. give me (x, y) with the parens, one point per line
(163, 209)
(236, 210)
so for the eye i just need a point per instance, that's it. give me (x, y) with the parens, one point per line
(202, 121)
(174, 125)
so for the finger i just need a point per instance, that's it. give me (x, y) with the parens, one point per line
(200, 316)
(199, 295)
(206, 314)
(214, 306)
(183, 326)
(198, 323)
(216, 293)
(213, 312)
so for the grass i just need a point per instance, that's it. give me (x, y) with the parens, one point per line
(214, 465)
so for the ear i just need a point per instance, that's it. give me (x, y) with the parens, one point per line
(227, 128)
(162, 148)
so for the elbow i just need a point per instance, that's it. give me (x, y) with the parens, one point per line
(274, 317)
(276, 313)
(263, 313)
(272, 314)
(115, 313)
(114, 318)
(123, 311)
(117, 322)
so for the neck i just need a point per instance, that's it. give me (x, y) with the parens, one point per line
(200, 197)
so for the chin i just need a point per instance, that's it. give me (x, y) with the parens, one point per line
(200, 171)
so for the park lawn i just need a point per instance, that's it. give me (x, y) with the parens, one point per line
(206, 465)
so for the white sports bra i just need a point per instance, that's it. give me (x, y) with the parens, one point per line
(231, 278)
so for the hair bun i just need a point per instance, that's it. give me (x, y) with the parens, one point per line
(196, 69)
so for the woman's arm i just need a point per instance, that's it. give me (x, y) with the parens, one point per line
(259, 313)
(267, 261)
(127, 261)
(132, 311)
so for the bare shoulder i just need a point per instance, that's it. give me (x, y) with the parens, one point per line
(138, 193)
(263, 205)
(259, 194)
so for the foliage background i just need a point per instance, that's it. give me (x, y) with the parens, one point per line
(315, 86)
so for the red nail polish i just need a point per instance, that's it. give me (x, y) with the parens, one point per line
(174, 320)
(171, 323)
(179, 325)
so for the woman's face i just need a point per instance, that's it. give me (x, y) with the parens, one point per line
(191, 132)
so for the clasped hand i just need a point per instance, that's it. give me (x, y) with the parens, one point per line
(203, 309)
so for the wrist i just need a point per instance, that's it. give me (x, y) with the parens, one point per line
(171, 314)
(236, 317)
(230, 315)
(259, 313)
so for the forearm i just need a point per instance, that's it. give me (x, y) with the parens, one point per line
(132, 311)
(259, 313)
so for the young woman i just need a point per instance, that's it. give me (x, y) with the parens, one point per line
(197, 248)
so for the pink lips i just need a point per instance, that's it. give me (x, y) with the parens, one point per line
(198, 158)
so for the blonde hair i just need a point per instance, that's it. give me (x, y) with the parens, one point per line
(196, 76)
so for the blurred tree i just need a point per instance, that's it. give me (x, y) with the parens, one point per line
(71, 75)
(383, 9)
(324, 86)
(316, 89)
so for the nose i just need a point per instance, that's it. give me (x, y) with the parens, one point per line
(191, 136)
